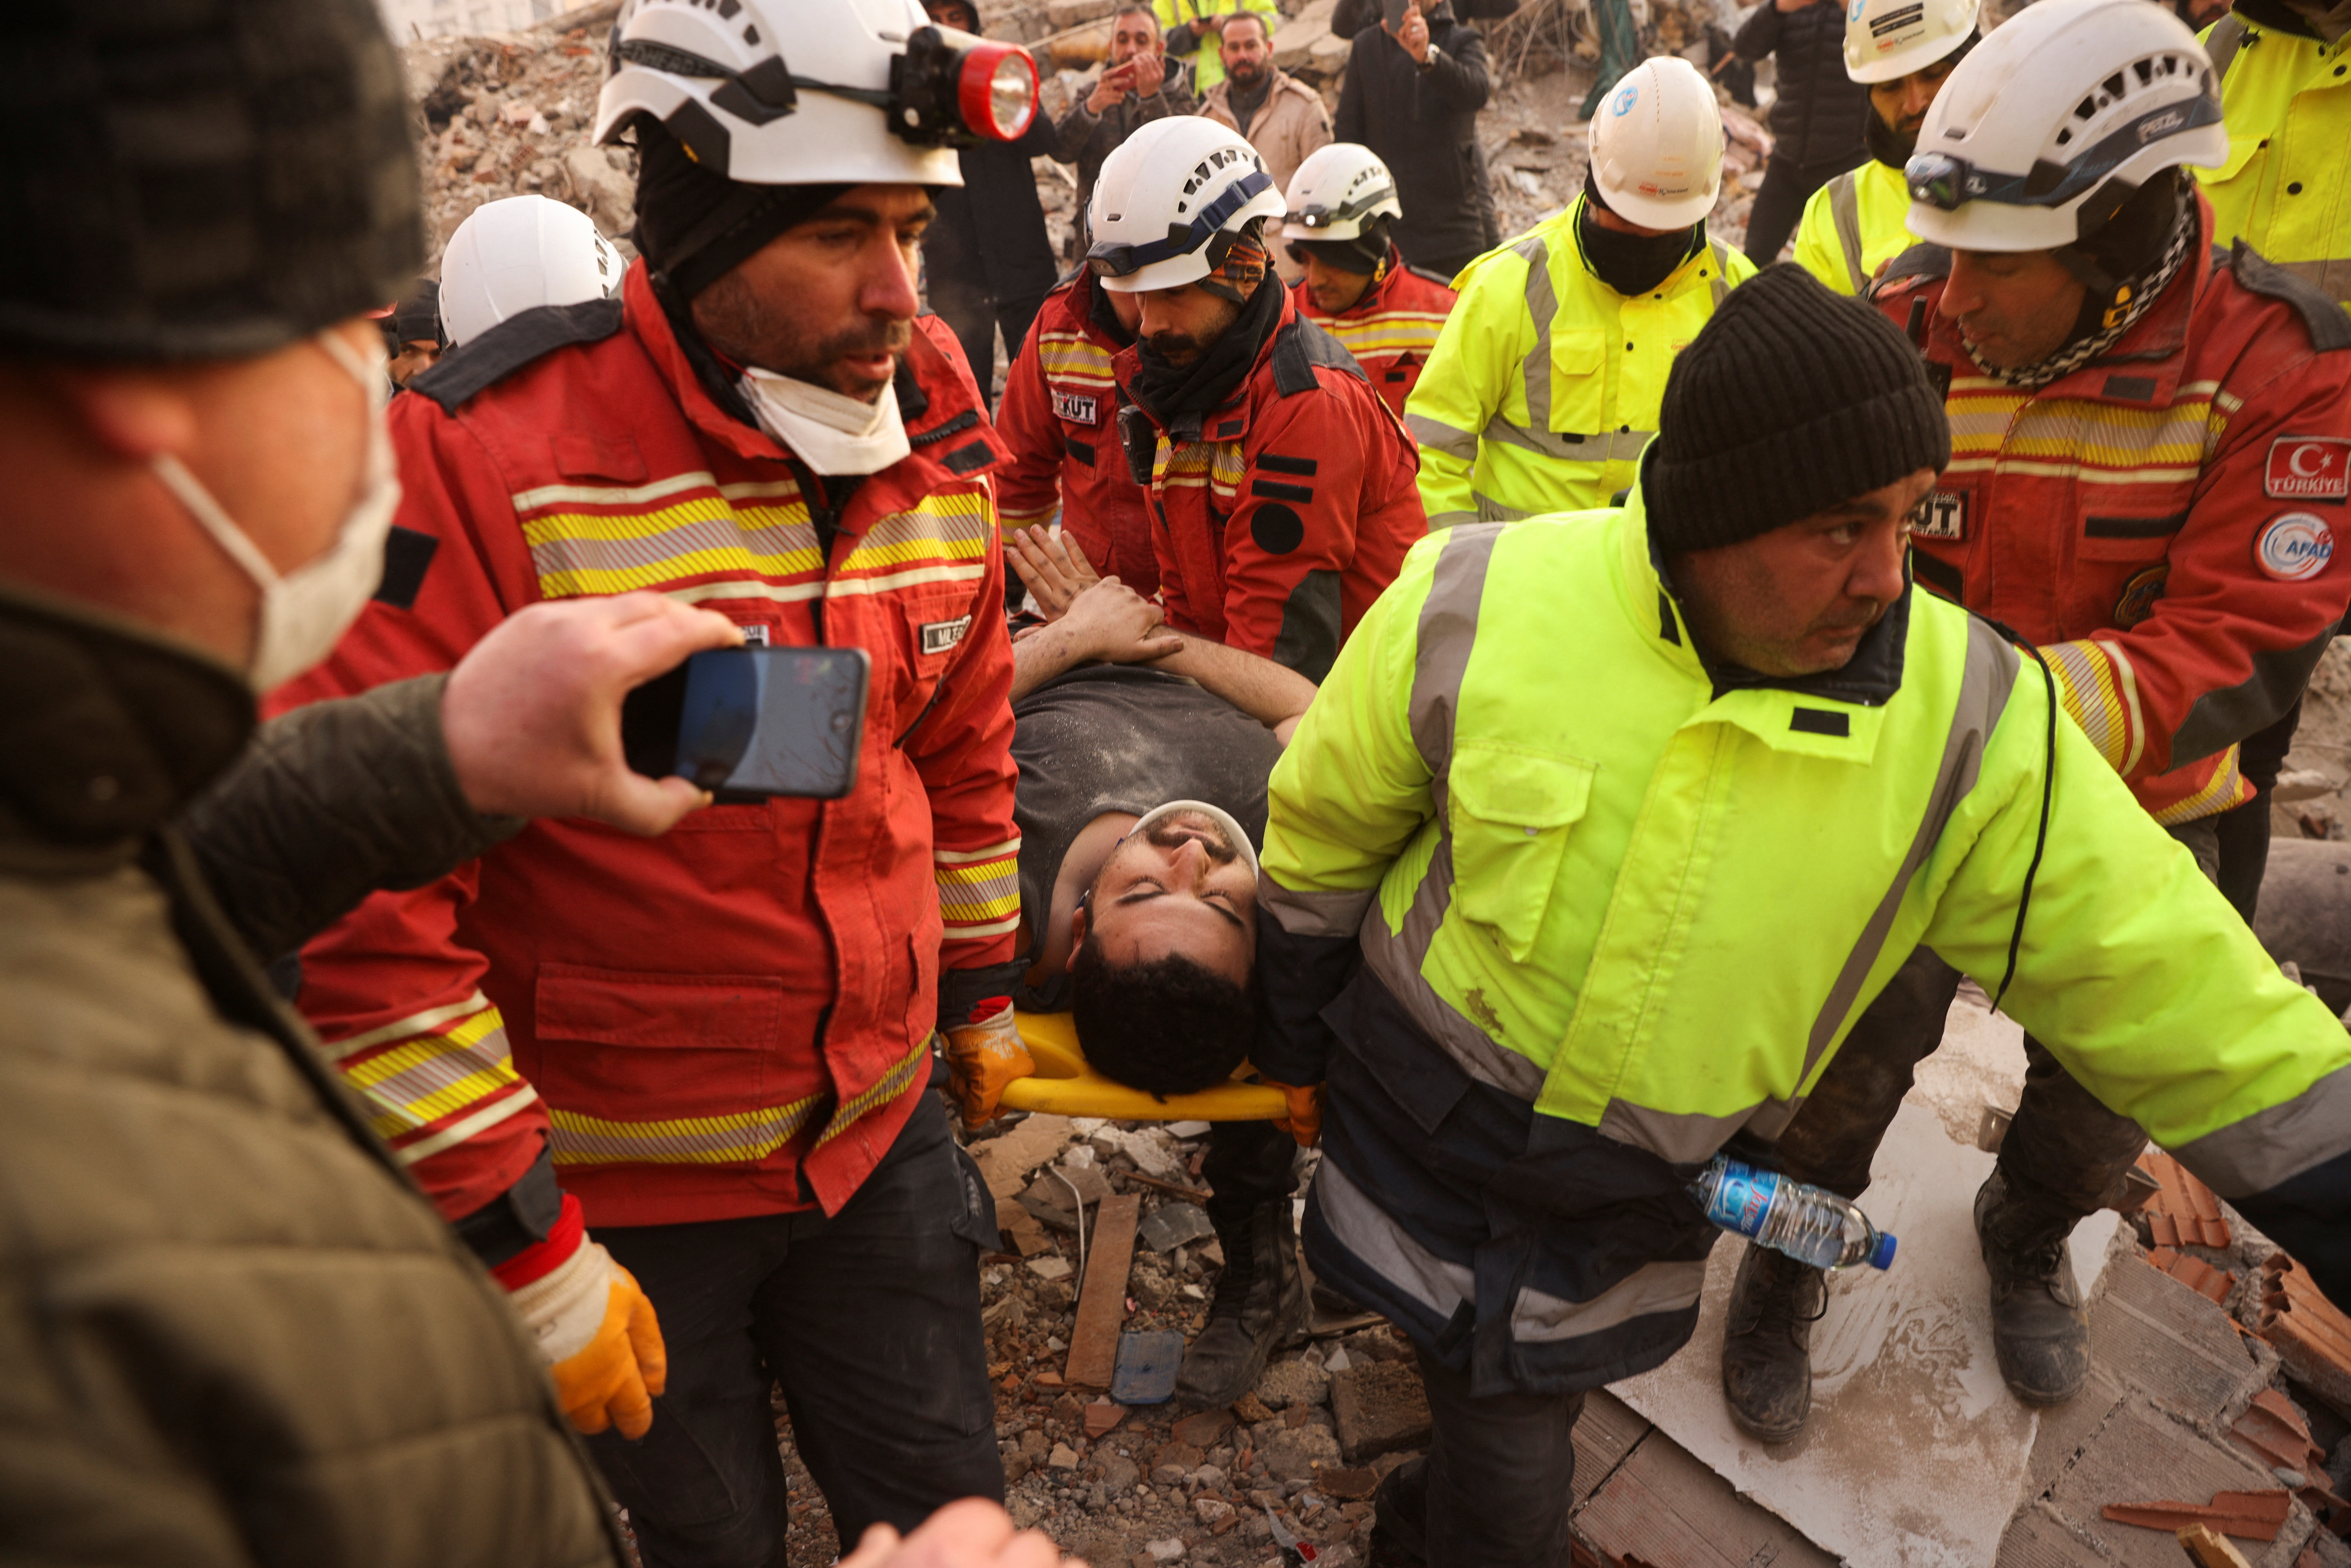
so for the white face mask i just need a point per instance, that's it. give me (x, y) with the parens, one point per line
(830, 433)
(1233, 834)
(304, 613)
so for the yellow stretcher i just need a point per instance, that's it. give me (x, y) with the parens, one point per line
(1064, 1085)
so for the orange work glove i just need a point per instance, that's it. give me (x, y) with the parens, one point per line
(1304, 1122)
(983, 1056)
(603, 1345)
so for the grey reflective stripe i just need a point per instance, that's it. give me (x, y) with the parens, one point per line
(1984, 688)
(2331, 276)
(1446, 632)
(1440, 436)
(2275, 1145)
(1542, 304)
(1449, 519)
(1721, 282)
(1684, 1138)
(1537, 1317)
(1613, 446)
(1443, 636)
(1489, 510)
(2228, 37)
(1330, 913)
(1845, 210)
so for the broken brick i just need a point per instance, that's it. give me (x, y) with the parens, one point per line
(2309, 1331)
(1204, 1429)
(2185, 1212)
(1347, 1485)
(1101, 1416)
(2255, 1515)
(2213, 1284)
(1379, 1407)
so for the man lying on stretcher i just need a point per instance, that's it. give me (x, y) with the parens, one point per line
(1143, 755)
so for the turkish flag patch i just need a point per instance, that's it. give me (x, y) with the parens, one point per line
(2308, 468)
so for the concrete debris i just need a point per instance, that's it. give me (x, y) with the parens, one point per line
(1049, 1268)
(1173, 1224)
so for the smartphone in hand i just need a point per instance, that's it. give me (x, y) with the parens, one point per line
(752, 722)
(1392, 14)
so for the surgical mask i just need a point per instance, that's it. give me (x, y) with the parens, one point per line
(305, 612)
(830, 433)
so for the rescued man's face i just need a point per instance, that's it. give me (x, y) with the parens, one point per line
(1799, 600)
(1178, 886)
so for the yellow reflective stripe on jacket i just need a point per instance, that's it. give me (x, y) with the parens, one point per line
(435, 1078)
(1587, 905)
(980, 891)
(578, 1139)
(2285, 187)
(1075, 360)
(1386, 334)
(597, 540)
(2091, 442)
(1543, 381)
(1855, 225)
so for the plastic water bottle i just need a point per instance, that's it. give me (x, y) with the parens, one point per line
(1806, 1223)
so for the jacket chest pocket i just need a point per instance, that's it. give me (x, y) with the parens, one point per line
(1579, 379)
(1510, 813)
(930, 625)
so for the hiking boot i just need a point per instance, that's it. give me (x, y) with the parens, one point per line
(1259, 1305)
(2040, 1331)
(1400, 1518)
(1767, 1343)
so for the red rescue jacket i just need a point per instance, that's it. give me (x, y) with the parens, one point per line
(736, 1016)
(1391, 330)
(1289, 509)
(1059, 417)
(2161, 522)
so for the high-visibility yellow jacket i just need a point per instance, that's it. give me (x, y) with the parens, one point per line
(2286, 187)
(1208, 57)
(1545, 383)
(1855, 225)
(1644, 902)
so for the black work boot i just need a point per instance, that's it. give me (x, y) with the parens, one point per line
(1767, 1343)
(2040, 1331)
(1260, 1304)
(1400, 1518)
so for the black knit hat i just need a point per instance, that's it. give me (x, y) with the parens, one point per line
(194, 179)
(1792, 400)
(695, 224)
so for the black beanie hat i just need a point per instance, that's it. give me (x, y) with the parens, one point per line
(200, 179)
(1792, 400)
(695, 224)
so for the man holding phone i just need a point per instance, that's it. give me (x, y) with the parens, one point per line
(1415, 84)
(1138, 83)
(691, 1072)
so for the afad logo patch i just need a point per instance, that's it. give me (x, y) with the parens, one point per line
(2294, 547)
(2308, 468)
(1078, 408)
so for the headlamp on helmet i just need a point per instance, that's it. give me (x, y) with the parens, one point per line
(948, 89)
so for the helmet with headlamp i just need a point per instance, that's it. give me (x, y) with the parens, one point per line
(1339, 191)
(2053, 122)
(796, 92)
(1171, 201)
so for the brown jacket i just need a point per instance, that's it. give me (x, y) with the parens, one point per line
(234, 1333)
(1289, 125)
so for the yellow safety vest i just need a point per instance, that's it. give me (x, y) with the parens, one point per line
(1855, 225)
(2286, 187)
(1545, 383)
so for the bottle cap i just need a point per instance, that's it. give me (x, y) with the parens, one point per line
(1882, 1256)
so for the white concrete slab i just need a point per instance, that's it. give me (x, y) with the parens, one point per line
(1914, 1453)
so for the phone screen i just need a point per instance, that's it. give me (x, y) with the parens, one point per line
(747, 723)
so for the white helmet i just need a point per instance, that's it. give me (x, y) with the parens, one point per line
(1657, 145)
(1164, 197)
(2050, 123)
(1337, 191)
(525, 251)
(1885, 40)
(871, 93)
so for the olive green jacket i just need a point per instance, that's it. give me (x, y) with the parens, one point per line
(231, 1332)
